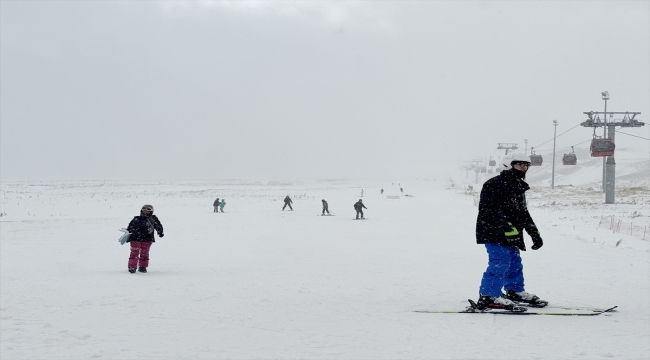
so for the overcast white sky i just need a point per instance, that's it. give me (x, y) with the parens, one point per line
(287, 90)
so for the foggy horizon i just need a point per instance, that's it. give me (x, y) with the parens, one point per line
(223, 90)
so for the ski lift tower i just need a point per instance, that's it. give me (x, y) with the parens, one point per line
(477, 168)
(467, 167)
(507, 146)
(609, 132)
(526, 147)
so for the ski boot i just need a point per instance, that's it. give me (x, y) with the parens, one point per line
(525, 298)
(491, 302)
(132, 270)
(142, 269)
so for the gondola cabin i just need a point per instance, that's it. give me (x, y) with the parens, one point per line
(569, 159)
(535, 160)
(602, 147)
(493, 163)
(483, 169)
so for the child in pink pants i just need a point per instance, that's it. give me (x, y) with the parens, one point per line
(142, 229)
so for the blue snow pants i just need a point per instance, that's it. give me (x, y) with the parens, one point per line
(504, 270)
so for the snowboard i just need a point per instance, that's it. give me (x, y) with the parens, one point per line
(122, 240)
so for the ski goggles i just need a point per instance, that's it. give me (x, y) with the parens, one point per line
(522, 163)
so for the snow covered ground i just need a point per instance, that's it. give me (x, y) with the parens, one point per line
(260, 283)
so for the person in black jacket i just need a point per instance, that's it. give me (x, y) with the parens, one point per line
(502, 218)
(358, 206)
(216, 205)
(287, 202)
(142, 229)
(325, 207)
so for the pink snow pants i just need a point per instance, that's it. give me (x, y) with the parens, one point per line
(139, 254)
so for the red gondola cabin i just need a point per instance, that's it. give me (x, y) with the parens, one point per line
(569, 159)
(535, 160)
(602, 147)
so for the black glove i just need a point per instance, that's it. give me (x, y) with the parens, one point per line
(537, 241)
(162, 235)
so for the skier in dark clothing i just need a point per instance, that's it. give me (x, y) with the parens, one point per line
(502, 218)
(325, 207)
(216, 205)
(142, 229)
(358, 206)
(287, 202)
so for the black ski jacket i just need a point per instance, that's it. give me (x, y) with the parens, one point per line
(139, 229)
(358, 205)
(503, 201)
(287, 200)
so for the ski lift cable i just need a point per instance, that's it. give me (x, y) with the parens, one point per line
(632, 135)
(566, 147)
(581, 143)
(558, 135)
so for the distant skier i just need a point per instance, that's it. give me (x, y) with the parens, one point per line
(216, 205)
(361, 192)
(502, 217)
(401, 190)
(382, 191)
(142, 228)
(287, 202)
(222, 204)
(358, 206)
(325, 207)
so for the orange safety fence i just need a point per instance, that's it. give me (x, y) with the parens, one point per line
(624, 227)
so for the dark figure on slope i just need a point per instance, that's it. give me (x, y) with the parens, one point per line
(502, 217)
(216, 205)
(325, 207)
(142, 228)
(287, 202)
(358, 206)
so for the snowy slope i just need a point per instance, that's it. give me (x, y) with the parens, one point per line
(260, 283)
